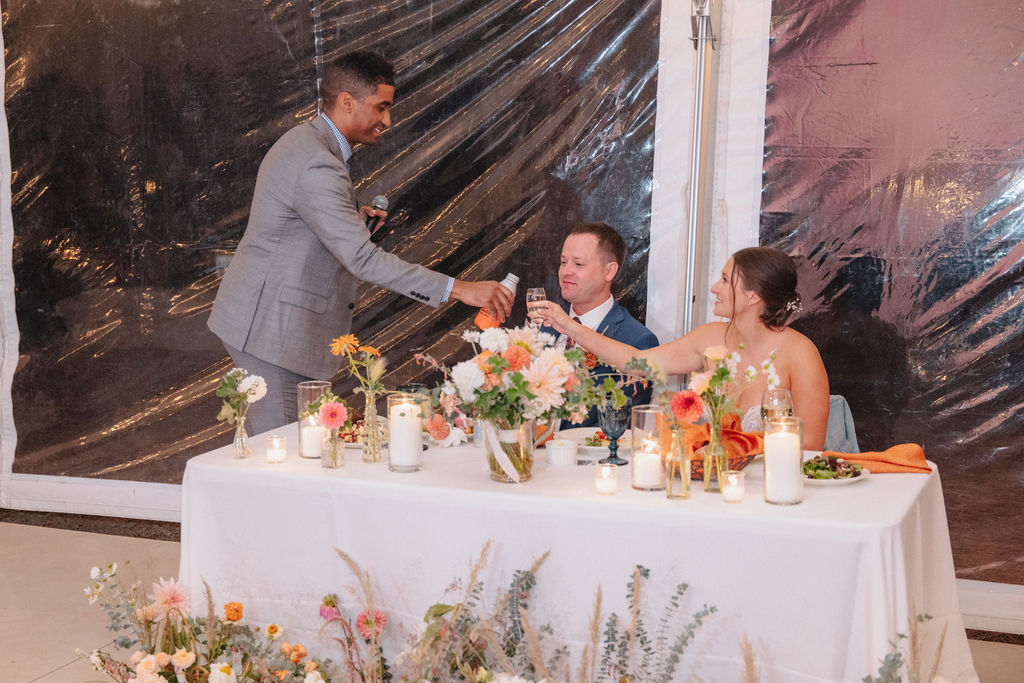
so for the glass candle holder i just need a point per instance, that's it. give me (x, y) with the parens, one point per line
(606, 478)
(311, 432)
(652, 440)
(733, 486)
(783, 460)
(405, 433)
(277, 448)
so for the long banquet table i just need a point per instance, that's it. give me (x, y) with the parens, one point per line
(819, 589)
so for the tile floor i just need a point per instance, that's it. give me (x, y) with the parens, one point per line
(44, 615)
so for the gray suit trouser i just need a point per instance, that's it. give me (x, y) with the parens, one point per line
(280, 405)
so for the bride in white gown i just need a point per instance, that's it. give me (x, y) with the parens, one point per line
(757, 295)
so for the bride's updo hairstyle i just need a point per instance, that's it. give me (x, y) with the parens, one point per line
(771, 274)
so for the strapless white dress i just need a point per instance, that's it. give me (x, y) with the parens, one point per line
(752, 420)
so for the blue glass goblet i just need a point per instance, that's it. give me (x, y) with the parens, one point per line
(612, 422)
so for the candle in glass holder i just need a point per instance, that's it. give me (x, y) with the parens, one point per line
(311, 435)
(606, 478)
(405, 433)
(648, 470)
(733, 486)
(277, 448)
(783, 461)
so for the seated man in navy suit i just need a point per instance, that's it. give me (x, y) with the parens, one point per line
(592, 255)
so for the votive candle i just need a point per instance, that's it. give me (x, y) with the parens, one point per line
(606, 478)
(733, 486)
(277, 448)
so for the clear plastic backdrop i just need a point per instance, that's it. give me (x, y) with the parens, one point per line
(894, 170)
(136, 132)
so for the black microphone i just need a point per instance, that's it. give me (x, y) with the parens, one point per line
(379, 202)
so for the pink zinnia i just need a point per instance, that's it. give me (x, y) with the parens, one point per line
(170, 595)
(687, 406)
(333, 414)
(368, 628)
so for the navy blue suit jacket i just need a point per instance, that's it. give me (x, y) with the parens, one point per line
(619, 325)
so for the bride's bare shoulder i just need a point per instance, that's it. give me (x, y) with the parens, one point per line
(797, 344)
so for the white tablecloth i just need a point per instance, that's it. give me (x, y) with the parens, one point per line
(819, 589)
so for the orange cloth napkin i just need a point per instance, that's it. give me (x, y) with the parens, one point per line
(906, 457)
(738, 443)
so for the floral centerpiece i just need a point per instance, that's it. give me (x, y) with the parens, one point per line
(169, 644)
(709, 397)
(239, 390)
(367, 365)
(516, 375)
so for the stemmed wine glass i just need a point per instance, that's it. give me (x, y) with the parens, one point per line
(534, 294)
(612, 422)
(776, 403)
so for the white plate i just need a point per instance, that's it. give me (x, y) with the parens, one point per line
(579, 434)
(864, 474)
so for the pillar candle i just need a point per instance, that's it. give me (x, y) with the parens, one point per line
(648, 473)
(405, 436)
(311, 436)
(783, 471)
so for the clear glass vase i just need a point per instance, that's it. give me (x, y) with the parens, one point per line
(241, 443)
(371, 431)
(677, 470)
(715, 457)
(509, 451)
(332, 452)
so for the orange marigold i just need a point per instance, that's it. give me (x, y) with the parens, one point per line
(345, 344)
(233, 611)
(589, 360)
(372, 350)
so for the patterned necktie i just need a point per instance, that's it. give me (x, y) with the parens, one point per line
(572, 342)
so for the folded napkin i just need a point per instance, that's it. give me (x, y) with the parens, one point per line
(738, 444)
(906, 457)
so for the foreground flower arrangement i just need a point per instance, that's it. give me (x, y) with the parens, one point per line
(461, 639)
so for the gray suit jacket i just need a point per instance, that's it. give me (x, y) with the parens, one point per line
(291, 286)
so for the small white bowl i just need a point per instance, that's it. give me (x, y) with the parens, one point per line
(561, 452)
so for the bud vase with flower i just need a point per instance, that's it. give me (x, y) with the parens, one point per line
(367, 365)
(239, 389)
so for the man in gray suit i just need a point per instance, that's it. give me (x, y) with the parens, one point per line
(291, 286)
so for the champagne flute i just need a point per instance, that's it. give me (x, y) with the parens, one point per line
(776, 403)
(533, 295)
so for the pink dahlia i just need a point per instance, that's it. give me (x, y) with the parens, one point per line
(438, 427)
(333, 414)
(370, 628)
(545, 380)
(687, 406)
(170, 595)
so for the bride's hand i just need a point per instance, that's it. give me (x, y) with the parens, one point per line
(552, 315)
